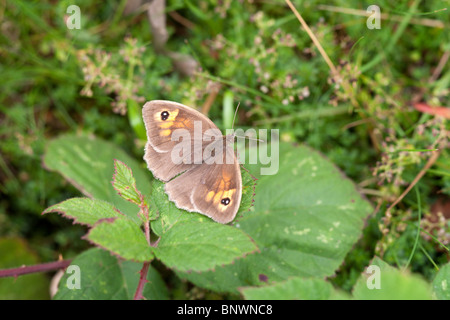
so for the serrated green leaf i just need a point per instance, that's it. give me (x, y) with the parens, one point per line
(88, 163)
(170, 214)
(248, 194)
(121, 237)
(104, 277)
(124, 183)
(441, 283)
(305, 220)
(193, 242)
(199, 246)
(393, 284)
(85, 210)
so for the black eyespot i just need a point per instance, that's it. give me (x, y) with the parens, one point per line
(164, 115)
(225, 201)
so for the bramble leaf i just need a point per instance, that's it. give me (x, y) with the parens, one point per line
(292, 289)
(88, 163)
(199, 246)
(441, 283)
(85, 210)
(121, 237)
(389, 283)
(305, 220)
(125, 184)
(105, 277)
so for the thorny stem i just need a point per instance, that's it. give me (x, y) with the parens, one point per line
(142, 280)
(145, 214)
(144, 271)
(50, 266)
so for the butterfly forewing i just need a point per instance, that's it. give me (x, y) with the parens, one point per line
(212, 187)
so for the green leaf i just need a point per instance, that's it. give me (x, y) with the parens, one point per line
(228, 109)
(441, 283)
(199, 246)
(192, 242)
(104, 277)
(15, 253)
(93, 158)
(88, 163)
(85, 210)
(248, 194)
(125, 184)
(135, 119)
(305, 220)
(393, 284)
(122, 237)
(171, 214)
(291, 289)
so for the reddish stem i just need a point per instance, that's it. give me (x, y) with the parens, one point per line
(144, 271)
(50, 266)
(142, 280)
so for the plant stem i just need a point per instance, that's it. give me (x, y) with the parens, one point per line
(387, 16)
(50, 266)
(419, 206)
(428, 256)
(239, 86)
(144, 271)
(422, 172)
(142, 280)
(306, 114)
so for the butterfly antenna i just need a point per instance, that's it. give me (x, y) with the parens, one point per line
(232, 127)
(235, 113)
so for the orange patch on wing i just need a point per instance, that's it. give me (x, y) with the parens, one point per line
(172, 115)
(218, 198)
(165, 132)
(166, 124)
(209, 196)
(229, 194)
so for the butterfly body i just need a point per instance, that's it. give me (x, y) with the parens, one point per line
(186, 150)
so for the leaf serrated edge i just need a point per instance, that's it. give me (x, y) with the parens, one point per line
(111, 220)
(363, 197)
(75, 221)
(134, 186)
(252, 204)
(65, 177)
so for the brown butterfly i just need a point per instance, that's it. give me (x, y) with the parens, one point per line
(205, 176)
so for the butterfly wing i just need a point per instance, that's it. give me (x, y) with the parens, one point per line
(161, 119)
(216, 189)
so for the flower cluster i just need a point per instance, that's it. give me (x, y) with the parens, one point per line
(114, 73)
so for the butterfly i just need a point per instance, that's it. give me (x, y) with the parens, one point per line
(186, 150)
